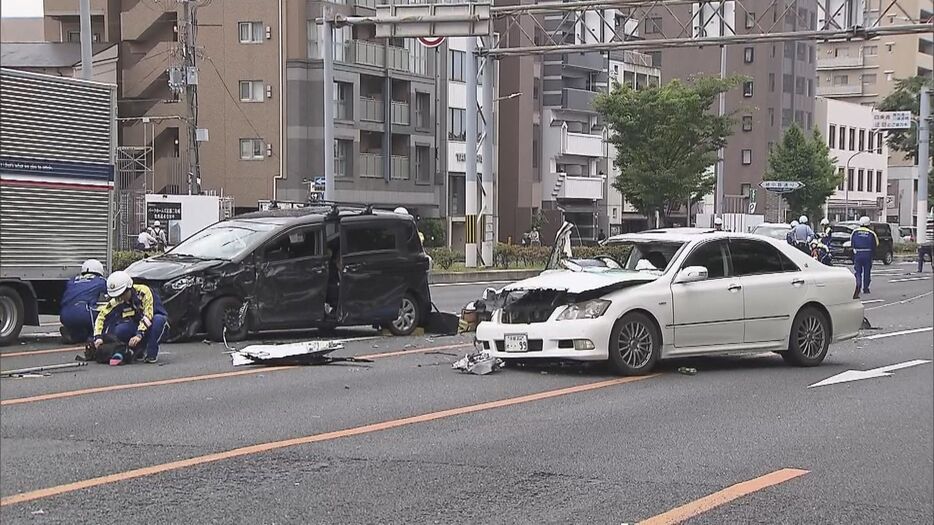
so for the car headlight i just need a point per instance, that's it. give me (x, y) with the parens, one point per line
(585, 310)
(185, 281)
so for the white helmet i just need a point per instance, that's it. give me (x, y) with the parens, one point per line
(401, 210)
(803, 219)
(93, 266)
(864, 221)
(794, 223)
(117, 283)
(824, 221)
(156, 224)
(718, 221)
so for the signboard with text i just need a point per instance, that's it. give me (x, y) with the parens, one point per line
(781, 186)
(891, 119)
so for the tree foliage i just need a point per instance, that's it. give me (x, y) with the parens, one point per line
(666, 140)
(907, 97)
(805, 159)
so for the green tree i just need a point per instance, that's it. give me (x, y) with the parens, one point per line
(666, 140)
(807, 160)
(907, 97)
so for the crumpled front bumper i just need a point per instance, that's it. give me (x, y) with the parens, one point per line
(549, 340)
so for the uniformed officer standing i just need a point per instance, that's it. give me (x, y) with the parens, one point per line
(864, 243)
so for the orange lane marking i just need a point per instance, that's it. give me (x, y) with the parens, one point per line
(314, 438)
(189, 379)
(40, 352)
(702, 505)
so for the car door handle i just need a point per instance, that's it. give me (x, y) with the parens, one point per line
(735, 288)
(797, 282)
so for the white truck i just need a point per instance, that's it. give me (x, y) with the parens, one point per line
(58, 140)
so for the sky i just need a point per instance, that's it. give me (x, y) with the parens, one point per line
(21, 8)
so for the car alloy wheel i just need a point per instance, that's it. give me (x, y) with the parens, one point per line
(635, 344)
(408, 317)
(811, 337)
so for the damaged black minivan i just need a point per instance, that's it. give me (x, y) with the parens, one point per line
(317, 267)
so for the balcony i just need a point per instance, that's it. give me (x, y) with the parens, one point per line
(840, 63)
(373, 54)
(368, 4)
(852, 90)
(590, 61)
(146, 70)
(144, 16)
(582, 144)
(400, 113)
(566, 186)
(578, 99)
(371, 166)
(371, 109)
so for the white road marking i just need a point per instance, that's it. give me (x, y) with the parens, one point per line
(485, 283)
(903, 301)
(856, 375)
(903, 332)
(907, 279)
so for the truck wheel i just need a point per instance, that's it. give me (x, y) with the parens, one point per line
(11, 315)
(225, 312)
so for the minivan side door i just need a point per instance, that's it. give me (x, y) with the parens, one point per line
(773, 289)
(374, 268)
(291, 279)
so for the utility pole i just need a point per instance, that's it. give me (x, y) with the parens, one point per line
(470, 188)
(488, 207)
(924, 163)
(190, 75)
(328, 108)
(86, 55)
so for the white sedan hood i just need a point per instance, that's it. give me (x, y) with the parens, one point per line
(580, 282)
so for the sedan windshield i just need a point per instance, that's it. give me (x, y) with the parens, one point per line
(224, 240)
(647, 256)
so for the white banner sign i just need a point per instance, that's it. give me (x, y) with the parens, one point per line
(891, 119)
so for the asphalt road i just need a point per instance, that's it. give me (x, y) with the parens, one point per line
(405, 439)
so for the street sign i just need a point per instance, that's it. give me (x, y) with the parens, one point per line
(891, 119)
(752, 208)
(431, 41)
(781, 186)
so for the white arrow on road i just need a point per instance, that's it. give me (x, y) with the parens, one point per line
(856, 375)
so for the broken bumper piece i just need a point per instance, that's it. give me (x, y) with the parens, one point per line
(304, 353)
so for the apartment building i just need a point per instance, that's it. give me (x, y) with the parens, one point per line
(386, 130)
(861, 158)
(240, 106)
(780, 79)
(866, 72)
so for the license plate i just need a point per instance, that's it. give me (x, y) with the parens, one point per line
(517, 343)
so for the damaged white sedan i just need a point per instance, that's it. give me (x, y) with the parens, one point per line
(678, 293)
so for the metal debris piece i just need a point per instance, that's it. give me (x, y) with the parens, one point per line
(21, 372)
(478, 363)
(304, 353)
(688, 371)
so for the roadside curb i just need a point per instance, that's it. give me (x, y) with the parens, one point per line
(481, 276)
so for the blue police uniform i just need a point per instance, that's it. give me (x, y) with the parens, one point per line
(78, 304)
(864, 242)
(143, 315)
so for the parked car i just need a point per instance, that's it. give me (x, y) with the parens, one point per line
(840, 241)
(679, 293)
(316, 267)
(908, 233)
(775, 230)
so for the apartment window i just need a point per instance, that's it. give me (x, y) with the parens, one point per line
(343, 93)
(852, 139)
(423, 110)
(870, 140)
(75, 36)
(799, 118)
(879, 142)
(457, 119)
(771, 116)
(653, 26)
(788, 83)
(807, 120)
(812, 54)
(868, 180)
(841, 80)
(456, 63)
(842, 144)
(879, 181)
(870, 51)
(747, 122)
(252, 91)
(771, 82)
(802, 52)
(842, 178)
(750, 19)
(862, 140)
(747, 88)
(787, 116)
(789, 50)
(422, 165)
(457, 194)
(747, 157)
(859, 180)
(252, 149)
(869, 79)
(810, 88)
(849, 179)
(832, 136)
(251, 32)
(748, 55)
(342, 152)
(799, 85)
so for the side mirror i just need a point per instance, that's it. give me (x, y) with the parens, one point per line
(691, 274)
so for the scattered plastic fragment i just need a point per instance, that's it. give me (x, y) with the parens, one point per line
(688, 371)
(478, 363)
(304, 353)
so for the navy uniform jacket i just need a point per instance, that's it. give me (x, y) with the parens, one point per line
(144, 303)
(85, 288)
(863, 240)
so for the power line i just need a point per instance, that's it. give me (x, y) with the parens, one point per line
(232, 98)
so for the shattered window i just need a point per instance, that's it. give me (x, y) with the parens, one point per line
(224, 240)
(368, 239)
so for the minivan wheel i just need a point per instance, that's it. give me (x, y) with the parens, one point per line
(888, 258)
(635, 345)
(225, 312)
(809, 338)
(409, 315)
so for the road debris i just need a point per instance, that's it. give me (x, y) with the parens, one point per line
(688, 371)
(33, 370)
(478, 363)
(303, 353)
